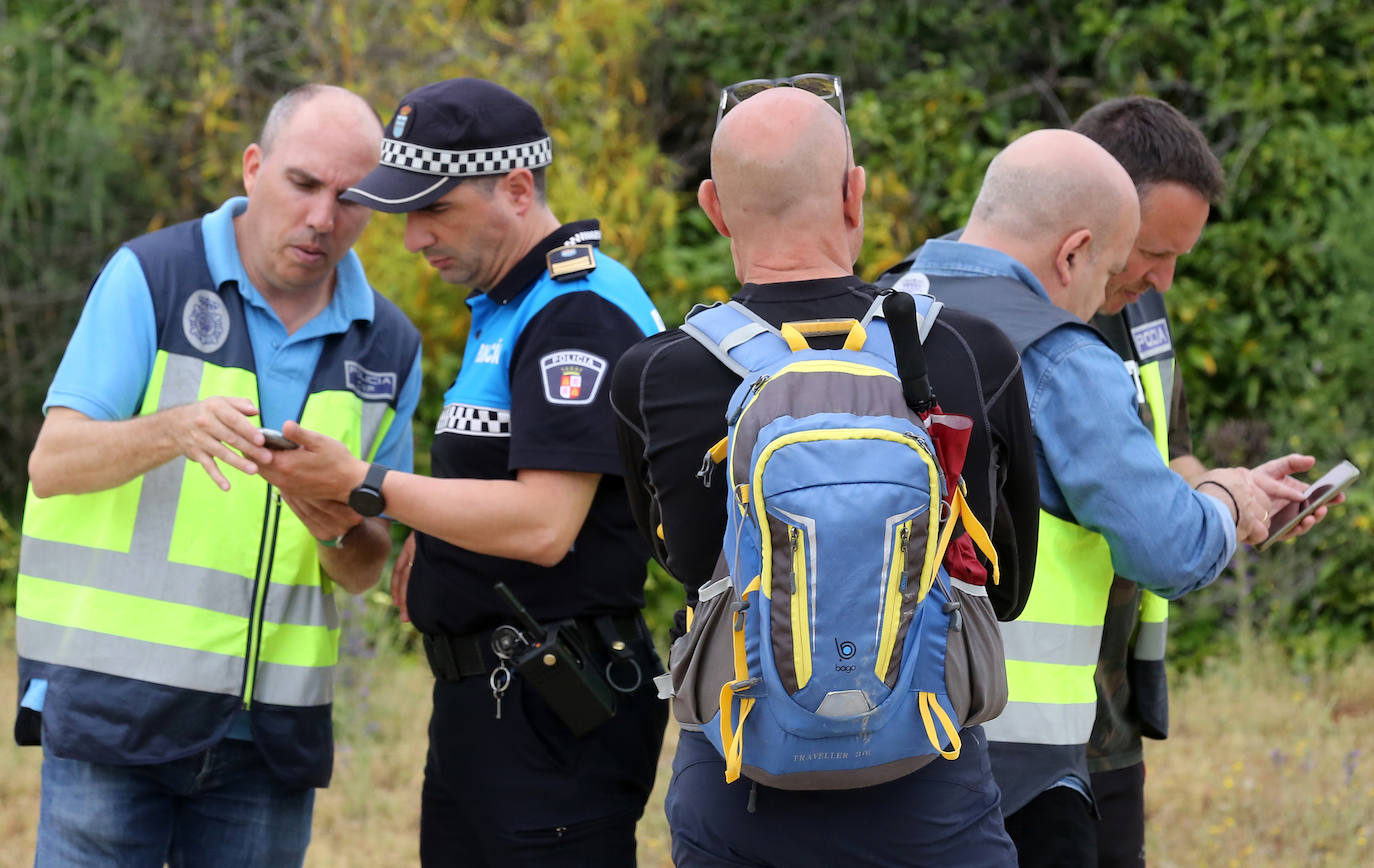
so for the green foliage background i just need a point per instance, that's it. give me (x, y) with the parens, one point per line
(119, 117)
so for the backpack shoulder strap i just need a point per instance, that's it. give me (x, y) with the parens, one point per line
(737, 336)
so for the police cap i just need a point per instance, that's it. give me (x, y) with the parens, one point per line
(445, 132)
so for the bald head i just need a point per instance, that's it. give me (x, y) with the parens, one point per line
(779, 155)
(781, 186)
(326, 102)
(1050, 181)
(1060, 204)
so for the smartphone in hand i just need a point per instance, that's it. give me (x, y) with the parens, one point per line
(275, 440)
(1336, 480)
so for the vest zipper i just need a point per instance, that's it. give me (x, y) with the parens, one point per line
(267, 546)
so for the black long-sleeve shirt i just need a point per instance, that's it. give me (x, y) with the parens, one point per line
(669, 394)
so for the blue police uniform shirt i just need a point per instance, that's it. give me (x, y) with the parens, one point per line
(534, 393)
(1098, 464)
(105, 369)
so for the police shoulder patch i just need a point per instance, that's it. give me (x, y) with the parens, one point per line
(571, 376)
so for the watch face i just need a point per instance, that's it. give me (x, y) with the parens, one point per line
(366, 501)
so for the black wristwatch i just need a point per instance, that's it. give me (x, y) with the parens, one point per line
(367, 498)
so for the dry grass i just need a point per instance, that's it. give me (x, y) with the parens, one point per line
(1265, 768)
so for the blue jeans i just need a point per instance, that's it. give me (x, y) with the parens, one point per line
(220, 807)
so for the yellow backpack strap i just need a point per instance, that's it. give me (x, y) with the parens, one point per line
(732, 737)
(930, 705)
(718, 451)
(857, 337)
(976, 532)
(960, 510)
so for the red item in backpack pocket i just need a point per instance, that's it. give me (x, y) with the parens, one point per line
(951, 435)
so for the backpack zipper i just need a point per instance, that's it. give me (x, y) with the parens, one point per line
(801, 610)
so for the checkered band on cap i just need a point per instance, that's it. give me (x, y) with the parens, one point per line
(482, 161)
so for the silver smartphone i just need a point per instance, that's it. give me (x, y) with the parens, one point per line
(1336, 480)
(275, 440)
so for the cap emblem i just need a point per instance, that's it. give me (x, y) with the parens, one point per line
(402, 117)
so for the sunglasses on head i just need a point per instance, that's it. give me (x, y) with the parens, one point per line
(822, 84)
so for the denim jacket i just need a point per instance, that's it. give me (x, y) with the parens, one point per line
(1098, 464)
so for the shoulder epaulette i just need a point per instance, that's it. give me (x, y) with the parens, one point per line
(571, 261)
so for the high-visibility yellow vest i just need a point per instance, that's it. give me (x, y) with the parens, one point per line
(170, 580)
(1153, 630)
(167, 590)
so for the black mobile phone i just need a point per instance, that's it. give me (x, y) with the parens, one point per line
(275, 440)
(1336, 480)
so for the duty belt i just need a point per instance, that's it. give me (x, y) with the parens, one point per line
(453, 658)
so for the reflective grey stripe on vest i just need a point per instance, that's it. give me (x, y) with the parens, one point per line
(205, 671)
(283, 684)
(1070, 644)
(135, 573)
(202, 587)
(1043, 723)
(1150, 640)
(157, 501)
(373, 414)
(1166, 380)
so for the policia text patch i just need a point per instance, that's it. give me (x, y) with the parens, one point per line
(571, 376)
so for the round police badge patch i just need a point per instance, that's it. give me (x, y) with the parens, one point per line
(205, 320)
(913, 282)
(571, 376)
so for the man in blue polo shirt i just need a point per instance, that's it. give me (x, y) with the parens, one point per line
(176, 625)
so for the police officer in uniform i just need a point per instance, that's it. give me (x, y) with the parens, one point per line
(526, 492)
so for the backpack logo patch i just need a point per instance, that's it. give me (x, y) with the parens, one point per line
(572, 376)
(205, 321)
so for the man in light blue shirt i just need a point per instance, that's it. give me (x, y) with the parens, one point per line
(176, 626)
(1056, 217)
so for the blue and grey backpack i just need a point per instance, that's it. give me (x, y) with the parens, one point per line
(833, 650)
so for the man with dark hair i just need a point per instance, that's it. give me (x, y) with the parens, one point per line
(1178, 179)
(176, 626)
(794, 237)
(526, 491)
